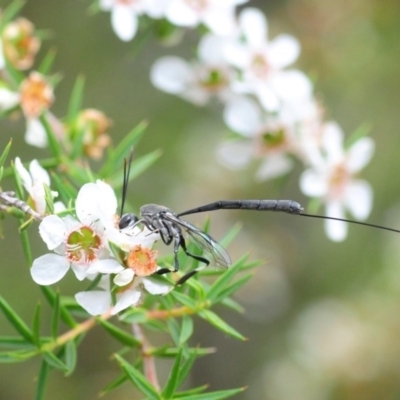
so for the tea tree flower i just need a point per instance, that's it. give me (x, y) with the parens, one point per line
(36, 96)
(125, 14)
(20, 44)
(95, 125)
(261, 62)
(8, 98)
(270, 138)
(199, 80)
(33, 182)
(217, 15)
(141, 263)
(333, 179)
(78, 242)
(124, 17)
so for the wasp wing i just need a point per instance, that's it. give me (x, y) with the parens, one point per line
(204, 241)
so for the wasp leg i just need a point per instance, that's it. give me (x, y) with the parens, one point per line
(178, 238)
(198, 258)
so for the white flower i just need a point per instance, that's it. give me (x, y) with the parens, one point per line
(78, 243)
(332, 178)
(199, 80)
(8, 98)
(261, 63)
(270, 138)
(217, 15)
(124, 16)
(142, 263)
(125, 13)
(33, 182)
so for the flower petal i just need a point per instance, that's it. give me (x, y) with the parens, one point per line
(49, 269)
(35, 134)
(313, 184)
(292, 84)
(124, 22)
(8, 99)
(38, 173)
(283, 51)
(360, 154)
(80, 271)
(125, 300)
(332, 141)
(220, 20)
(52, 231)
(181, 14)
(95, 302)
(171, 74)
(235, 154)
(154, 287)
(124, 278)
(24, 175)
(336, 230)
(254, 26)
(96, 201)
(243, 116)
(273, 166)
(211, 49)
(358, 198)
(107, 266)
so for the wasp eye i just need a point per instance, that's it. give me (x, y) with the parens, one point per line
(127, 221)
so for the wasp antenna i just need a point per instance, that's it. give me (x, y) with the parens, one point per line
(127, 170)
(350, 221)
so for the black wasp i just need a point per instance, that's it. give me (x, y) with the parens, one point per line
(171, 227)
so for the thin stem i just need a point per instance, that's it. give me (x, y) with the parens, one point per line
(78, 330)
(148, 360)
(177, 312)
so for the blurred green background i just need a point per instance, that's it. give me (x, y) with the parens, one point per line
(322, 318)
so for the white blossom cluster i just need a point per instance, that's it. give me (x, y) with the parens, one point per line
(81, 240)
(268, 104)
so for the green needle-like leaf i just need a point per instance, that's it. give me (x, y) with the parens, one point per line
(124, 337)
(117, 155)
(49, 199)
(56, 315)
(54, 143)
(47, 62)
(185, 368)
(10, 12)
(54, 361)
(220, 395)
(220, 324)
(70, 356)
(183, 299)
(75, 101)
(186, 329)
(172, 382)
(42, 381)
(234, 287)
(14, 342)
(36, 325)
(225, 278)
(16, 321)
(139, 380)
(114, 384)
(16, 356)
(5, 153)
(233, 232)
